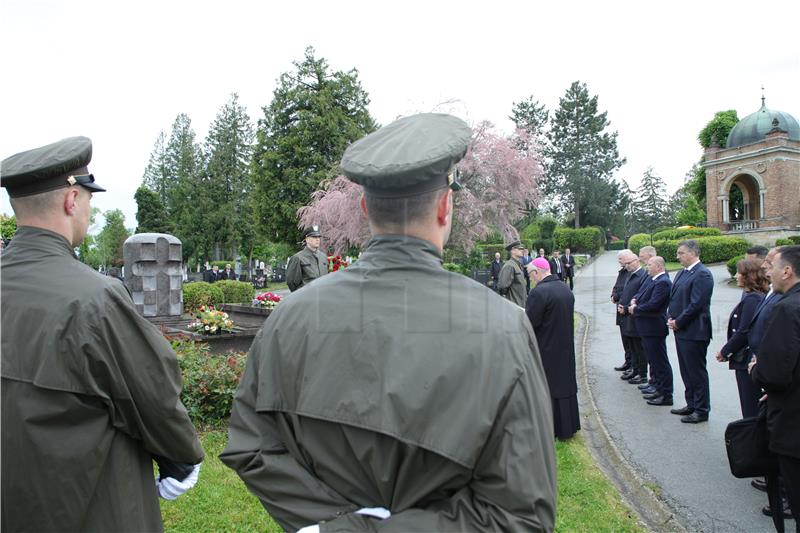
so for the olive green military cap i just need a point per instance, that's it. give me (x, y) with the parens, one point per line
(60, 164)
(313, 231)
(410, 156)
(515, 244)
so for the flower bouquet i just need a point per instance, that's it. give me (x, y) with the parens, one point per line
(335, 262)
(267, 300)
(210, 321)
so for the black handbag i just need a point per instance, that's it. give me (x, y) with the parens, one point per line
(747, 444)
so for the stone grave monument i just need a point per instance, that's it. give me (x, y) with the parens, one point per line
(154, 273)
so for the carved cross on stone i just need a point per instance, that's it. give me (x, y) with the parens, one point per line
(154, 273)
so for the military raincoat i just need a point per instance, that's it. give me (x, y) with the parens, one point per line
(395, 383)
(304, 267)
(511, 283)
(90, 392)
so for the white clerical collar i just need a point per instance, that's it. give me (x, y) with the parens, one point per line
(692, 265)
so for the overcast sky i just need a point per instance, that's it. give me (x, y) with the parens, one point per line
(119, 72)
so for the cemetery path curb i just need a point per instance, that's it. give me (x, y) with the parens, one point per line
(651, 510)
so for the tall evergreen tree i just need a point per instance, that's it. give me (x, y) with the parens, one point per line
(651, 202)
(581, 156)
(151, 215)
(156, 174)
(228, 149)
(314, 115)
(532, 117)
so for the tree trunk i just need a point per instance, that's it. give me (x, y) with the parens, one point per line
(577, 213)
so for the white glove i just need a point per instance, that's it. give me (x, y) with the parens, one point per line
(309, 529)
(170, 488)
(375, 512)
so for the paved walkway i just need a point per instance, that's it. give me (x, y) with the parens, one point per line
(685, 464)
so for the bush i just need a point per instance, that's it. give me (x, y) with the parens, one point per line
(452, 267)
(209, 381)
(221, 264)
(548, 245)
(795, 239)
(236, 292)
(783, 242)
(547, 227)
(617, 245)
(637, 240)
(487, 252)
(685, 233)
(712, 249)
(731, 264)
(530, 233)
(582, 240)
(200, 293)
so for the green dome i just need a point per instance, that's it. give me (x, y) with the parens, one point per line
(752, 128)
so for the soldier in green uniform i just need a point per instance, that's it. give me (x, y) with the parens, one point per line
(395, 395)
(90, 389)
(309, 263)
(511, 283)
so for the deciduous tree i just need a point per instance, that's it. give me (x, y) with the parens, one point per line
(111, 239)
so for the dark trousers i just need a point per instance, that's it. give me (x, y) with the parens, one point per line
(692, 361)
(638, 358)
(748, 394)
(568, 279)
(790, 474)
(655, 349)
(626, 346)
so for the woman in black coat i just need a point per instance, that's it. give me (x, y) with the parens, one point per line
(750, 277)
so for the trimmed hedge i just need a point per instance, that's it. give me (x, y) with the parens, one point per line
(637, 240)
(795, 239)
(685, 233)
(221, 264)
(581, 240)
(487, 251)
(712, 249)
(458, 269)
(548, 244)
(236, 292)
(783, 242)
(200, 293)
(209, 381)
(731, 264)
(616, 245)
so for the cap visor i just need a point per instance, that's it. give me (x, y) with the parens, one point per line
(92, 186)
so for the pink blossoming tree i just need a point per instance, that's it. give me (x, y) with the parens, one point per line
(500, 181)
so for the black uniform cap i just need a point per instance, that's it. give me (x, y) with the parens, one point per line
(313, 231)
(61, 164)
(410, 156)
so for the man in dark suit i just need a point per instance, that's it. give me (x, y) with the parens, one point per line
(616, 292)
(690, 321)
(649, 310)
(228, 273)
(776, 368)
(215, 275)
(568, 262)
(637, 374)
(556, 267)
(526, 258)
(497, 265)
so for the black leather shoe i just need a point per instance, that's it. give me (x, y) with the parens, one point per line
(649, 390)
(759, 484)
(647, 385)
(683, 411)
(787, 512)
(637, 380)
(652, 395)
(694, 418)
(628, 374)
(660, 400)
(622, 367)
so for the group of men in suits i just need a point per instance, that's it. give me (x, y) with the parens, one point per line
(562, 267)
(217, 275)
(649, 305)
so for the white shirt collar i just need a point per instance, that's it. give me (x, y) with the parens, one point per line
(692, 265)
(658, 275)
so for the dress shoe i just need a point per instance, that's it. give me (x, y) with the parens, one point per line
(694, 418)
(787, 512)
(759, 484)
(628, 374)
(622, 367)
(682, 411)
(649, 390)
(660, 400)
(647, 385)
(652, 395)
(637, 380)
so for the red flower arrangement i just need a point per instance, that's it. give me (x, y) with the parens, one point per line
(335, 262)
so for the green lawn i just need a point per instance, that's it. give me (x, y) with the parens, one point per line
(220, 501)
